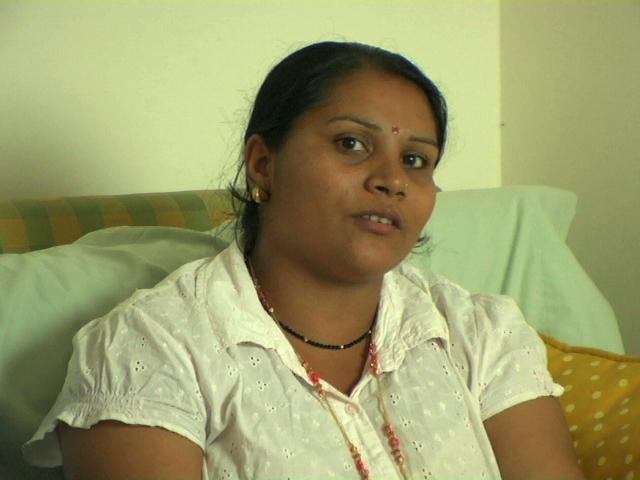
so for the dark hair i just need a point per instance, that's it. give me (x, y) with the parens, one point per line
(300, 82)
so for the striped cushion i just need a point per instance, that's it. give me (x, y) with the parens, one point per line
(27, 225)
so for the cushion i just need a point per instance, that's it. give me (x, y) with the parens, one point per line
(512, 240)
(602, 406)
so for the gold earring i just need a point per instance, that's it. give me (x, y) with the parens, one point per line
(256, 194)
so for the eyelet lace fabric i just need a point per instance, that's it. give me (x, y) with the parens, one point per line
(198, 355)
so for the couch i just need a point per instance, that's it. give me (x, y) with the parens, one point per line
(68, 260)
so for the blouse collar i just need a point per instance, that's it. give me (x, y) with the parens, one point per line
(407, 315)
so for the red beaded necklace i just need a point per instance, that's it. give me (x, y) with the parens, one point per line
(376, 370)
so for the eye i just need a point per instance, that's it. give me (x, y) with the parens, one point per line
(351, 144)
(414, 160)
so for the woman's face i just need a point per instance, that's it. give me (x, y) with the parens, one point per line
(352, 187)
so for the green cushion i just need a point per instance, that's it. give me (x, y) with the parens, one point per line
(512, 240)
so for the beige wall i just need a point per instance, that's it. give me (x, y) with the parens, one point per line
(120, 97)
(571, 114)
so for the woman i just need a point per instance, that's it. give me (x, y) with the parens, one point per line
(306, 350)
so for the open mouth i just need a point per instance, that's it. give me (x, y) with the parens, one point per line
(379, 219)
(382, 220)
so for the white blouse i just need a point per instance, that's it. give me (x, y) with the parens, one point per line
(198, 355)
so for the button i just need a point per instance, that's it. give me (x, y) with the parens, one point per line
(351, 409)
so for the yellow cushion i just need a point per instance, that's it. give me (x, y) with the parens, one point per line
(602, 406)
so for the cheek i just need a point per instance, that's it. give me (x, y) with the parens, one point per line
(319, 180)
(307, 193)
(431, 205)
(424, 207)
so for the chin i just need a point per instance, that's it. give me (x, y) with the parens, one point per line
(366, 260)
(378, 264)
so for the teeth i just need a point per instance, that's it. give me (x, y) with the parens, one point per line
(378, 219)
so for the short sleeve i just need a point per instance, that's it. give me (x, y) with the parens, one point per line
(510, 358)
(125, 367)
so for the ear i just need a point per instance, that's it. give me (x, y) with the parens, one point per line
(259, 163)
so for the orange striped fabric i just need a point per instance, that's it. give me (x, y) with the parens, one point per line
(34, 224)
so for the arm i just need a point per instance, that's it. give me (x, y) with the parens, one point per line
(114, 450)
(532, 441)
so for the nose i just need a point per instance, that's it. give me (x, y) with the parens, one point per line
(393, 189)
(388, 177)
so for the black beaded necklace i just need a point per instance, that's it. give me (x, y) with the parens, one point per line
(291, 330)
(331, 346)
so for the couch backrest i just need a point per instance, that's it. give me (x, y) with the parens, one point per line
(35, 224)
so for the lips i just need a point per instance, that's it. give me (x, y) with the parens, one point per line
(384, 216)
(376, 218)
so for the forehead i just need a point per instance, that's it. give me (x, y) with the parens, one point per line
(385, 98)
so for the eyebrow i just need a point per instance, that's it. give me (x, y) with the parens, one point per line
(375, 126)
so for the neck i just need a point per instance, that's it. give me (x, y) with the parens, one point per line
(313, 303)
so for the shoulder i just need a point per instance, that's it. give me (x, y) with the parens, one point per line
(203, 306)
(176, 291)
(185, 282)
(479, 325)
(174, 310)
(462, 309)
(499, 356)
